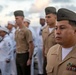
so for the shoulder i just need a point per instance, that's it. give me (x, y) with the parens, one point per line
(45, 29)
(7, 39)
(25, 30)
(54, 49)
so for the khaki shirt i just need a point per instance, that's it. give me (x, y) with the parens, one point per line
(23, 37)
(57, 66)
(48, 39)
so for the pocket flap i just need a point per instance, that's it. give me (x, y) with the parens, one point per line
(49, 69)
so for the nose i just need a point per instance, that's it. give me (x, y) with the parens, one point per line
(57, 31)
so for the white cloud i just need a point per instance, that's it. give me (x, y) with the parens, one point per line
(31, 8)
(17, 0)
(7, 7)
(61, 1)
(39, 5)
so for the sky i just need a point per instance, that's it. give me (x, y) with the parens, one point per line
(33, 9)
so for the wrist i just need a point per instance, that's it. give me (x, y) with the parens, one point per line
(30, 58)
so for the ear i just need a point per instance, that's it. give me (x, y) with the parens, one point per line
(55, 16)
(75, 29)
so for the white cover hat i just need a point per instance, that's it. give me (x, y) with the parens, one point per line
(11, 22)
(27, 20)
(42, 17)
(4, 29)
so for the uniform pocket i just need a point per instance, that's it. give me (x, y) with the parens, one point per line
(50, 70)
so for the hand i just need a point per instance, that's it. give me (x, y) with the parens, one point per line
(28, 62)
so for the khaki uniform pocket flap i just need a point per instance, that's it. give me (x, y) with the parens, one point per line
(50, 70)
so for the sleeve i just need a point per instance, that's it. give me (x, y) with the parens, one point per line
(1, 44)
(28, 36)
(10, 49)
(6, 48)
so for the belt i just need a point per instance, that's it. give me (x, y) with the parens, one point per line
(22, 52)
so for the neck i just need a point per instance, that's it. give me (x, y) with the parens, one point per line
(10, 29)
(52, 25)
(69, 44)
(20, 26)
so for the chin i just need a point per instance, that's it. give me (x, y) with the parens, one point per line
(58, 42)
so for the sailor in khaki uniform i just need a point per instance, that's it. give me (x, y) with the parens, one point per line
(49, 39)
(61, 58)
(24, 45)
(48, 31)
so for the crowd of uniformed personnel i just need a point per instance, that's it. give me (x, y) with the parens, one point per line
(53, 44)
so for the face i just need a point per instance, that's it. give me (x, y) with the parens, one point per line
(9, 26)
(2, 33)
(50, 19)
(64, 33)
(19, 20)
(42, 22)
(26, 24)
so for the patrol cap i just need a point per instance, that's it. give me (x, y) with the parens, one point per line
(4, 29)
(65, 14)
(49, 10)
(19, 13)
(27, 20)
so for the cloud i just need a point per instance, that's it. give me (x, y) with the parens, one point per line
(26, 13)
(31, 8)
(9, 14)
(19, 0)
(71, 7)
(1, 8)
(38, 6)
(61, 1)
